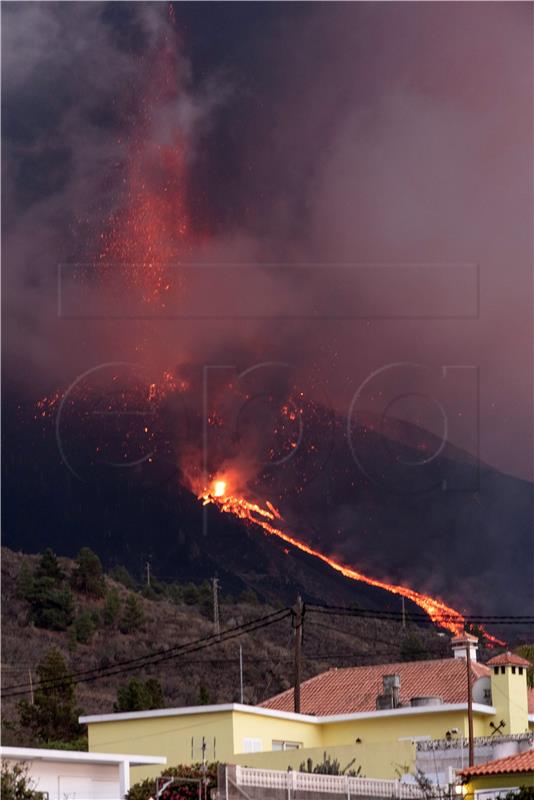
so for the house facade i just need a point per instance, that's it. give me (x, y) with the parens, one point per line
(373, 715)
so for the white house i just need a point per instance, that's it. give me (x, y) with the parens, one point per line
(73, 775)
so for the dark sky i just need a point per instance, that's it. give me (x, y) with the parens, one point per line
(395, 139)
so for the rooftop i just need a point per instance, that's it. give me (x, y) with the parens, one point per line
(77, 756)
(524, 762)
(504, 659)
(354, 689)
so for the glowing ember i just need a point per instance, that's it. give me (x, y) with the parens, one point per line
(219, 488)
(440, 613)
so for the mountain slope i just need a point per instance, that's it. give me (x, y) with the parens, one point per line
(267, 653)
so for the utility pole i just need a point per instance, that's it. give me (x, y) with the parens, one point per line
(403, 612)
(241, 673)
(148, 573)
(298, 624)
(470, 707)
(216, 622)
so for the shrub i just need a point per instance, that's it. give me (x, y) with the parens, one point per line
(179, 791)
(84, 627)
(121, 575)
(25, 583)
(87, 576)
(112, 606)
(175, 593)
(132, 618)
(330, 766)
(249, 596)
(191, 594)
(139, 695)
(16, 783)
(204, 697)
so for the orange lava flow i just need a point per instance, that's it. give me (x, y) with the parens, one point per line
(440, 613)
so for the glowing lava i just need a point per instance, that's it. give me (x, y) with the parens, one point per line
(440, 613)
(219, 488)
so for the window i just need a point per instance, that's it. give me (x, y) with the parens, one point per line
(520, 670)
(280, 744)
(496, 670)
(252, 745)
(503, 670)
(513, 670)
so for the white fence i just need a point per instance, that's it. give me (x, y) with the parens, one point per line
(325, 784)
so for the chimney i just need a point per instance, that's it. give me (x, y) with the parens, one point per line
(391, 692)
(464, 642)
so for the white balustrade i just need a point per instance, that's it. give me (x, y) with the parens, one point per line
(329, 784)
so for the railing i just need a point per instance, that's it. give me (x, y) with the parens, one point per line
(479, 741)
(330, 784)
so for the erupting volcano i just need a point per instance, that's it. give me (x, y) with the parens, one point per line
(141, 242)
(265, 517)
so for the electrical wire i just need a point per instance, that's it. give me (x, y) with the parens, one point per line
(150, 659)
(508, 619)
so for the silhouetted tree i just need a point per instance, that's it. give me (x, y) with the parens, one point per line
(53, 715)
(87, 576)
(139, 695)
(84, 627)
(132, 617)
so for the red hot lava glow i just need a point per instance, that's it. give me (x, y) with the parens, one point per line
(267, 516)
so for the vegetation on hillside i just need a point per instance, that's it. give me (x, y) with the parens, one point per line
(51, 715)
(97, 621)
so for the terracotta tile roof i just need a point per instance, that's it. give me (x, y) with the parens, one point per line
(508, 658)
(524, 762)
(344, 691)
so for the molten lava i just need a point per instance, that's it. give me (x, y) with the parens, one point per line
(219, 488)
(440, 613)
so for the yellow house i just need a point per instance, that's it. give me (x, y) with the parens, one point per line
(374, 715)
(496, 778)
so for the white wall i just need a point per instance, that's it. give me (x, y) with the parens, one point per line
(69, 781)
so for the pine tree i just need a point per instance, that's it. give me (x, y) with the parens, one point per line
(84, 627)
(137, 695)
(49, 567)
(53, 715)
(88, 576)
(132, 618)
(49, 596)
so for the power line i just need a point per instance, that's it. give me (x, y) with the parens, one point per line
(397, 616)
(150, 659)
